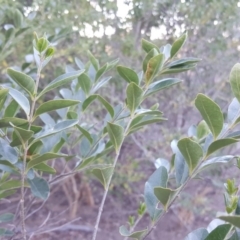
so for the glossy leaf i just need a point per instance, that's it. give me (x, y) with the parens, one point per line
(220, 143)
(134, 97)
(43, 158)
(116, 134)
(128, 74)
(198, 234)
(211, 113)
(178, 44)
(191, 151)
(158, 178)
(90, 99)
(85, 82)
(233, 219)
(160, 85)
(136, 235)
(154, 65)
(23, 80)
(148, 46)
(235, 80)
(54, 105)
(39, 187)
(103, 175)
(21, 100)
(59, 81)
(219, 232)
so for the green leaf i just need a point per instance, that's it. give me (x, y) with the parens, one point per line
(148, 46)
(45, 168)
(12, 109)
(59, 81)
(134, 97)
(101, 71)
(220, 143)
(5, 122)
(178, 44)
(116, 134)
(23, 80)
(158, 178)
(103, 175)
(6, 217)
(21, 100)
(85, 133)
(155, 64)
(211, 113)
(22, 136)
(3, 95)
(6, 194)
(128, 74)
(202, 130)
(42, 44)
(220, 232)
(178, 69)
(160, 85)
(85, 83)
(93, 61)
(61, 126)
(198, 234)
(191, 151)
(184, 62)
(54, 105)
(235, 80)
(7, 152)
(150, 55)
(43, 158)
(17, 18)
(164, 195)
(39, 187)
(136, 235)
(91, 98)
(10, 184)
(100, 84)
(233, 219)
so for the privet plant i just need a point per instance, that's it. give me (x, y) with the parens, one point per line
(31, 139)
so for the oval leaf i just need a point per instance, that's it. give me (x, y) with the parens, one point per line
(148, 46)
(54, 105)
(211, 113)
(128, 74)
(177, 45)
(136, 235)
(219, 232)
(116, 135)
(134, 97)
(103, 175)
(59, 81)
(23, 80)
(164, 195)
(191, 151)
(220, 143)
(233, 219)
(85, 82)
